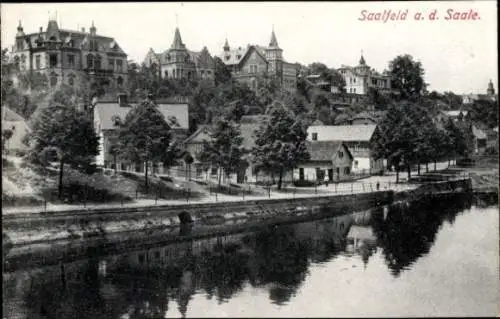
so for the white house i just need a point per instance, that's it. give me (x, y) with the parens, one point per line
(109, 115)
(357, 138)
(329, 161)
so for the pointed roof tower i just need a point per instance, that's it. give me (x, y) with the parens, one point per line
(20, 31)
(273, 43)
(52, 29)
(491, 89)
(93, 29)
(226, 46)
(362, 59)
(177, 44)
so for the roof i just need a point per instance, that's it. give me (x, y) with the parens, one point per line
(455, 113)
(107, 111)
(374, 115)
(478, 133)
(177, 43)
(273, 43)
(9, 115)
(235, 56)
(247, 133)
(321, 151)
(346, 133)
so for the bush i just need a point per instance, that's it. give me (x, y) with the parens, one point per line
(305, 183)
(491, 150)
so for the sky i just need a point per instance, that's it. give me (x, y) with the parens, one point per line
(457, 55)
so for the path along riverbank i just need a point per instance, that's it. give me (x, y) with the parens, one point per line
(25, 228)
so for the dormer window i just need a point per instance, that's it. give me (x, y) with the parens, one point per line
(227, 57)
(238, 56)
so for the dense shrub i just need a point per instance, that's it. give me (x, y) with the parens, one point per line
(305, 183)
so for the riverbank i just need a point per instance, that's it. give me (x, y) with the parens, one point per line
(111, 223)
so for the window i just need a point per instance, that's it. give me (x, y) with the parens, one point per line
(53, 60)
(214, 171)
(90, 61)
(37, 62)
(16, 62)
(341, 154)
(355, 164)
(53, 79)
(157, 254)
(354, 80)
(98, 62)
(253, 68)
(141, 258)
(226, 57)
(354, 90)
(166, 74)
(347, 170)
(111, 64)
(314, 136)
(119, 81)
(71, 80)
(71, 60)
(119, 65)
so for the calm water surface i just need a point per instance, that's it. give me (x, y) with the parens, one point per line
(438, 258)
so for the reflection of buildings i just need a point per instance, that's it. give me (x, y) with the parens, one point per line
(361, 239)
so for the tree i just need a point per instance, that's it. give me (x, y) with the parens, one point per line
(224, 150)
(460, 139)
(397, 137)
(145, 136)
(484, 112)
(280, 144)
(66, 135)
(222, 74)
(407, 77)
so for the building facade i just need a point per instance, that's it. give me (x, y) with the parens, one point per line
(250, 63)
(179, 63)
(359, 79)
(490, 95)
(109, 115)
(329, 161)
(69, 56)
(357, 138)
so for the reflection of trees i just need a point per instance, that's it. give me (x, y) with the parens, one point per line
(409, 231)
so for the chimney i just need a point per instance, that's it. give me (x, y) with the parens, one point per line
(83, 30)
(122, 99)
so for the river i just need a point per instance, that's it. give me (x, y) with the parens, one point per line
(437, 257)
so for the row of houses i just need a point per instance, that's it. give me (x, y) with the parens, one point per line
(336, 152)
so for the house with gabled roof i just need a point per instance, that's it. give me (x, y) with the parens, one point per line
(248, 63)
(110, 114)
(357, 138)
(178, 62)
(329, 161)
(70, 56)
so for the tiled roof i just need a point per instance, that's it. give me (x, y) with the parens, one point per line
(107, 111)
(234, 56)
(320, 151)
(344, 133)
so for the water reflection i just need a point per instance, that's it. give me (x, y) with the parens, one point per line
(276, 259)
